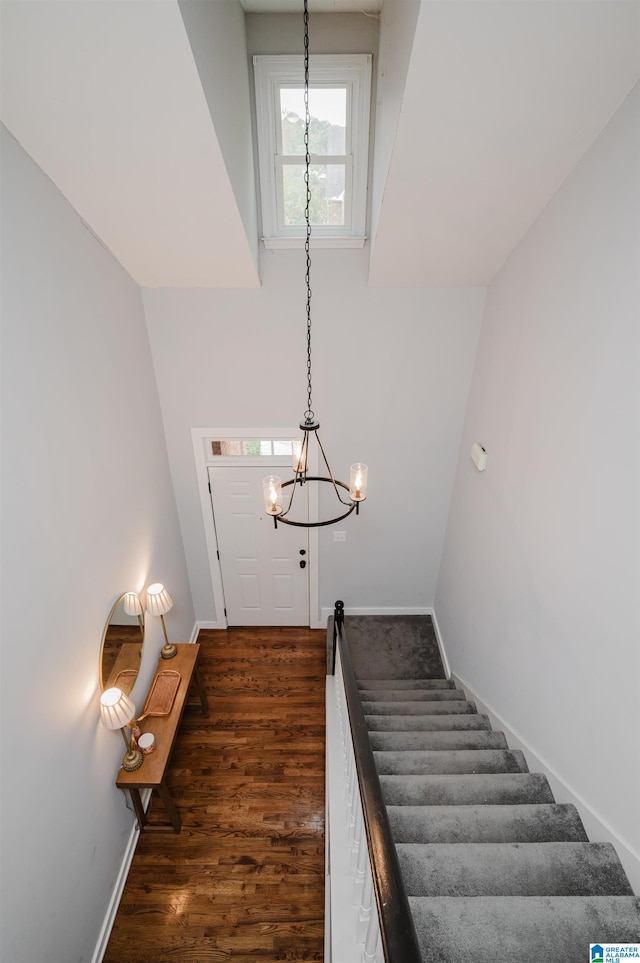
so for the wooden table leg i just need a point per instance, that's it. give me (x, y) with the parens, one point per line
(204, 702)
(170, 806)
(138, 808)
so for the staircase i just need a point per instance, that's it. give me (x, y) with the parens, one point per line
(495, 870)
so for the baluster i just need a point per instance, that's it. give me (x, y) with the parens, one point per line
(358, 833)
(371, 942)
(364, 913)
(362, 869)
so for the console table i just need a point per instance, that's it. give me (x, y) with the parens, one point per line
(152, 773)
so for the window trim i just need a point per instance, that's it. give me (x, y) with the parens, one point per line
(350, 70)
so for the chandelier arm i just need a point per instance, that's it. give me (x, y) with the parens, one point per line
(329, 521)
(333, 481)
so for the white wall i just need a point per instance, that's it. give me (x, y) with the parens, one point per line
(88, 513)
(391, 371)
(397, 30)
(538, 597)
(216, 34)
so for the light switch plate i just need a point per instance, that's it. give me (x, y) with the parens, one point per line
(339, 536)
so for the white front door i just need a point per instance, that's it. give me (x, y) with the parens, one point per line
(264, 582)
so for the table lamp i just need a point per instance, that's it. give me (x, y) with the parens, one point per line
(159, 602)
(133, 606)
(117, 711)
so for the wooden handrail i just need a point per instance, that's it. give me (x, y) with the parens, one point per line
(397, 930)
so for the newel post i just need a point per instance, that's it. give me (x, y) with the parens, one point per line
(338, 619)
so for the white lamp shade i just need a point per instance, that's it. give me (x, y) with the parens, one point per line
(132, 604)
(159, 602)
(116, 709)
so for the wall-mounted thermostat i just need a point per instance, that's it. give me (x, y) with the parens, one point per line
(478, 456)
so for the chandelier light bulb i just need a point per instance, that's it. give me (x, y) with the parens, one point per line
(272, 490)
(358, 482)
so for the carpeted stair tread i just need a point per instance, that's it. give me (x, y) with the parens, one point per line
(426, 762)
(406, 684)
(547, 822)
(415, 695)
(427, 723)
(512, 869)
(521, 929)
(458, 739)
(510, 788)
(416, 707)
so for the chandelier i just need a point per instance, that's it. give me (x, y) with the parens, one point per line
(273, 485)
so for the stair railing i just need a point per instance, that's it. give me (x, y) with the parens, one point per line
(384, 924)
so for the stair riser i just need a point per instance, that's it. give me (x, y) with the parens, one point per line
(456, 761)
(432, 707)
(404, 695)
(436, 741)
(512, 869)
(428, 723)
(486, 824)
(406, 684)
(521, 929)
(498, 789)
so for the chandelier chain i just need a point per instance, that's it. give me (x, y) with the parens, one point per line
(309, 415)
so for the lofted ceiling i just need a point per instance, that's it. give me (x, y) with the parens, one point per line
(499, 101)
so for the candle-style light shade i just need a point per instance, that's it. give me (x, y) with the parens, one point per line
(159, 602)
(272, 490)
(299, 457)
(117, 711)
(132, 604)
(358, 482)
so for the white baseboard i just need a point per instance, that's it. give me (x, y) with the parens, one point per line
(596, 826)
(116, 895)
(443, 654)
(206, 625)
(372, 610)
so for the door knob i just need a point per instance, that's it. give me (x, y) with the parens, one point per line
(302, 563)
(303, 551)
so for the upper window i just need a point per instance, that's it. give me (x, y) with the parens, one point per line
(339, 96)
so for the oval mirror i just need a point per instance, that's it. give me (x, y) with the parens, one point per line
(122, 642)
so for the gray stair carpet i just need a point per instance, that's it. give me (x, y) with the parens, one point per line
(495, 870)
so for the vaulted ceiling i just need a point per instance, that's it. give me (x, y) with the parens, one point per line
(139, 112)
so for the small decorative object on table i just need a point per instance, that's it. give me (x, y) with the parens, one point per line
(161, 694)
(147, 742)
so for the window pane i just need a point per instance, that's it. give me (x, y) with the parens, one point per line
(251, 447)
(327, 127)
(282, 447)
(327, 194)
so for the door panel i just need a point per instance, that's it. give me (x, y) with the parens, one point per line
(263, 581)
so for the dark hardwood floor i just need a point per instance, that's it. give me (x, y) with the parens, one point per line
(244, 880)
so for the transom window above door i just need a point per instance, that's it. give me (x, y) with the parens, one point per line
(250, 447)
(339, 101)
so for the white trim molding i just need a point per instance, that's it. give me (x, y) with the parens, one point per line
(203, 461)
(275, 73)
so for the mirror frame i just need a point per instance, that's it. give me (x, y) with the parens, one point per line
(107, 625)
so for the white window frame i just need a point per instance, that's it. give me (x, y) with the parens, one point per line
(352, 71)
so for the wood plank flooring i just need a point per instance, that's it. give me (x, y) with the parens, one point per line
(244, 880)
